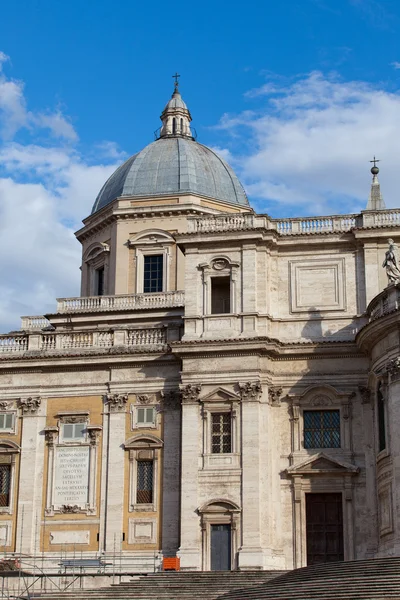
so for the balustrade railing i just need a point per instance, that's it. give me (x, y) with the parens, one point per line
(151, 337)
(13, 343)
(386, 302)
(309, 225)
(37, 322)
(121, 302)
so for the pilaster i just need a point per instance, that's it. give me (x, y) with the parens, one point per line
(33, 412)
(190, 549)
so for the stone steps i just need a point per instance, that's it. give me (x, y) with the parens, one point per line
(373, 579)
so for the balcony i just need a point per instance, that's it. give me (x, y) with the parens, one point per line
(159, 300)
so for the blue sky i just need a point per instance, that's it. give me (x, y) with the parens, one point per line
(298, 95)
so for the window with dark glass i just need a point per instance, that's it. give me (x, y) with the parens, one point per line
(153, 273)
(220, 295)
(5, 478)
(381, 421)
(221, 433)
(321, 428)
(100, 281)
(144, 491)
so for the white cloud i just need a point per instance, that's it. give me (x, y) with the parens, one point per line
(306, 150)
(395, 64)
(45, 190)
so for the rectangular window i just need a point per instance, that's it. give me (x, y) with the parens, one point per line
(153, 273)
(145, 416)
(220, 295)
(6, 422)
(5, 478)
(74, 432)
(100, 281)
(221, 433)
(321, 428)
(144, 492)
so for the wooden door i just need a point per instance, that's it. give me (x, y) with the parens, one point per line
(220, 547)
(324, 524)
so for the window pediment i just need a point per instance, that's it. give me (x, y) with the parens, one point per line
(151, 237)
(220, 395)
(218, 505)
(138, 442)
(321, 463)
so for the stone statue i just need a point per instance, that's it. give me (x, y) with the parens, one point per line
(392, 263)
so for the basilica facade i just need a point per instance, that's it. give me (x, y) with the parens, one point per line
(226, 388)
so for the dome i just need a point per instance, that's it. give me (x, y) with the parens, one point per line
(173, 165)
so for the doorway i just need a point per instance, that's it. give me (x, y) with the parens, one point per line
(324, 526)
(220, 547)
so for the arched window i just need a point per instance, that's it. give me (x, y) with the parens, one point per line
(381, 420)
(174, 125)
(181, 125)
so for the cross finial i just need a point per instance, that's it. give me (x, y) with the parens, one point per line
(176, 77)
(375, 160)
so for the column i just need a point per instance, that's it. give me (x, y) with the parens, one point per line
(33, 411)
(190, 549)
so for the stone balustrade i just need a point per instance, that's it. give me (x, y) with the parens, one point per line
(384, 303)
(37, 322)
(306, 225)
(121, 302)
(147, 338)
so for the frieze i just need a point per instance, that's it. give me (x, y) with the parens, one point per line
(190, 392)
(143, 399)
(30, 405)
(116, 402)
(70, 509)
(274, 395)
(250, 391)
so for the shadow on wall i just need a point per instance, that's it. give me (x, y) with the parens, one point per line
(313, 329)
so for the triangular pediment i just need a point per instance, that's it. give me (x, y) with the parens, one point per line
(322, 463)
(220, 395)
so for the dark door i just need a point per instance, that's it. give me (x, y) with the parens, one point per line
(220, 547)
(324, 522)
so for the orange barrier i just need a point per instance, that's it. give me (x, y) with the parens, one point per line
(171, 564)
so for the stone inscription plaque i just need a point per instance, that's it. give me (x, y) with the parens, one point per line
(71, 476)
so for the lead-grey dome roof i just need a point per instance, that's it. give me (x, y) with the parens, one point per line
(170, 166)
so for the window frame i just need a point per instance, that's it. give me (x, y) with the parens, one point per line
(13, 428)
(8, 457)
(141, 447)
(135, 424)
(213, 414)
(139, 462)
(73, 440)
(322, 429)
(141, 253)
(159, 280)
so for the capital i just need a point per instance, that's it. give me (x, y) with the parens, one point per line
(250, 390)
(190, 392)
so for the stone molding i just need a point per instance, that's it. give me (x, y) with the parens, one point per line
(30, 405)
(365, 393)
(250, 391)
(171, 399)
(190, 393)
(274, 395)
(94, 432)
(393, 368)
(116, 402)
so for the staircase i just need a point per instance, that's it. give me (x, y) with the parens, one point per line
(172, 586)
(363, 579)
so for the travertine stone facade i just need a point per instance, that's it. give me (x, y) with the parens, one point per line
(202, 418)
